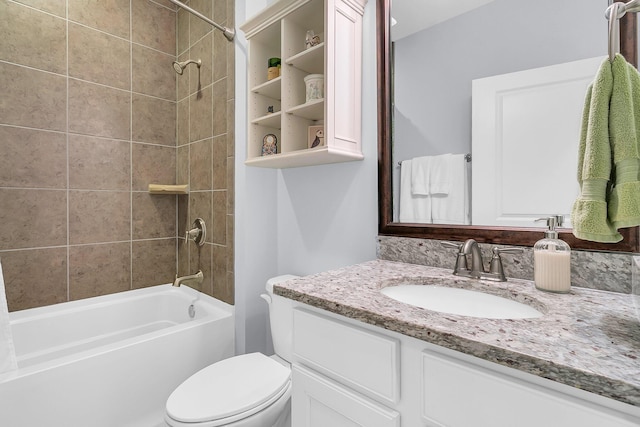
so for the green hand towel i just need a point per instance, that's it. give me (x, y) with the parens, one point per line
(608, 161)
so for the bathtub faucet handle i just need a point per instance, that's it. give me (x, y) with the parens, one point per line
(198, 233)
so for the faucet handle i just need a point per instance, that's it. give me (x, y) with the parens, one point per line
(496, 262)
(461, 258)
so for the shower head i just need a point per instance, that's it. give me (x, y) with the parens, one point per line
(180, 66)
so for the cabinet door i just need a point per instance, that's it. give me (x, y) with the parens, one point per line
(319, 402)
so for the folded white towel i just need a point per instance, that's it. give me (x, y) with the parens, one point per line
(7, 350)
(420, 173)
(454, 207)
(440, 174)
(413, 208)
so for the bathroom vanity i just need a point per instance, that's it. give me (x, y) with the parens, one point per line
(364, 359)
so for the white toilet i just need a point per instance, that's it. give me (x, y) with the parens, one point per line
(250, 390)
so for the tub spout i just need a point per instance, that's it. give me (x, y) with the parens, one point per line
(193, 278)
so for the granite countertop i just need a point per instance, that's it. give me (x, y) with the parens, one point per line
(587, 339)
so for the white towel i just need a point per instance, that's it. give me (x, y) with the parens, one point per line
(413, 208)
(420, 173)
(453, 208)
(7, 350)
(440, 174)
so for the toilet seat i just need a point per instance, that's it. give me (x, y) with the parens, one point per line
(229, 390)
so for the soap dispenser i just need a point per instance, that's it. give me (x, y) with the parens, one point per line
(552, 259)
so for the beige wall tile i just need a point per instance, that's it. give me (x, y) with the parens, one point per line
(183, 258)
(182, 80)
(32, 158)
(99, 57)
(182, 168)
(231, 185)
(231, 72)
(99, 110)
(154, 26)
(153, 216)
(153, 73)
(200, 207)
(183, 31)
(219, 225)
(99, 216)
(220, 8)
(230, 243)
(183, 122)
(200, 259)
(32, 218)
(154, 120)
(153, 164)
(200, 124)
(155, 262)
(183, 217)
(32, 98)
(231, 110)
(200, 165)
(220, 45)
(96, 270)
(35, 277)
(198, 27)
(221, 288)
(55, 7)
(220, 115)
(44, 49)
(219, 166)
(168, 4)
(111, 16)
(200, 77)
(99, 164)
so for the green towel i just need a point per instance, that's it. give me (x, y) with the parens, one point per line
(608, 160)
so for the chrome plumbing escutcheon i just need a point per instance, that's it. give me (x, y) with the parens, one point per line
(198, 233)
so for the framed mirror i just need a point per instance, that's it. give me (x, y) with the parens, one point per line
(387, 165)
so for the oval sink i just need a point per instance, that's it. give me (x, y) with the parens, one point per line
(460, 301)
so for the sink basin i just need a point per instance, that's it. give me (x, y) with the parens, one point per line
(460, 301)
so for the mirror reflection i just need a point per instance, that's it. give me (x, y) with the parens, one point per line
(487, 102)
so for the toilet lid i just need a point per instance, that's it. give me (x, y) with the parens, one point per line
(227, 388)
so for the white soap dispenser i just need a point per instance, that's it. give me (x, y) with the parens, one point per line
(552, 259)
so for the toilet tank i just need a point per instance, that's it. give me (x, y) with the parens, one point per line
(281, 318)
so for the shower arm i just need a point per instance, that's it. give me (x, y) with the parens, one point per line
(229, 33)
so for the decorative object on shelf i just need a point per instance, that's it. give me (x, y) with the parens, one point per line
(311, 39)
(314, 84)
(316, 136)
(270, 109)
(269, 144)
(274, 68)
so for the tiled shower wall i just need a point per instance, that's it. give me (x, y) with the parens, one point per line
(206, 145)
(87, 121)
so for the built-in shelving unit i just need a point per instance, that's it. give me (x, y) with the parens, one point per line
(279, 32)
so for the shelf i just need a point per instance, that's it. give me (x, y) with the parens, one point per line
(270, 88)
(168, 189)
(312, 110)
(271, 120)
(307, 157)
(310, 60)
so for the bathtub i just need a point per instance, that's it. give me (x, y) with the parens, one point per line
(111, 360)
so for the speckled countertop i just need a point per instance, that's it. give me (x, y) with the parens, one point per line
(587, 339)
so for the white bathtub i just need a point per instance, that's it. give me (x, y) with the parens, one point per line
(111, 360)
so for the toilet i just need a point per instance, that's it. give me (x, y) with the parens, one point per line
(249, 390)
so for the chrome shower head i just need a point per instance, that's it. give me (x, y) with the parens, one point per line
(180, 66)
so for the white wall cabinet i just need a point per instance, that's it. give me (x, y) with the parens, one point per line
(347, 373)
(279, 32)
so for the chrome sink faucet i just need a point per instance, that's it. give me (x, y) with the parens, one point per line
(477, 270)
(191, 279)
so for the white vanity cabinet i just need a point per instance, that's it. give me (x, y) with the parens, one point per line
(348, 373)
(277, 107)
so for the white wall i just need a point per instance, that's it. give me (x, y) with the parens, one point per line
(302, 220)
